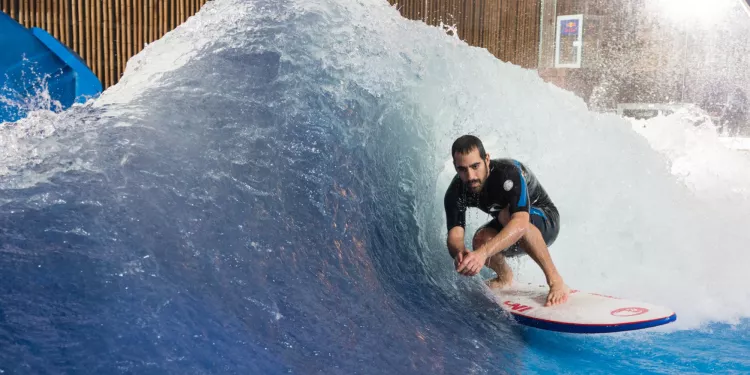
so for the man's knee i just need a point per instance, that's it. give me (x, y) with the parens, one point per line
(532, 236)
(482, 236)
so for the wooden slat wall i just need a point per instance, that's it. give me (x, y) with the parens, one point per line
(509, 29)
(572, 6)
(105, 33)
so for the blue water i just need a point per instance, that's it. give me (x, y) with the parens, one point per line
(269, 201)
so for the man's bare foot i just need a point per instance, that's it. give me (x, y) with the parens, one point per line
(498, 283)
(558, 294)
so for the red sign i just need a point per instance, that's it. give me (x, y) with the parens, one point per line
(629, 311)
(517, 306)
(569, 27)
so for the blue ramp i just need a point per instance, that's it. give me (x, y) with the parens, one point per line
(32, 56)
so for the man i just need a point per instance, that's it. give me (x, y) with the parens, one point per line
(524, 217)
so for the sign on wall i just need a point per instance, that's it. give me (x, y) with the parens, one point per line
(569, 41)
(569, 27)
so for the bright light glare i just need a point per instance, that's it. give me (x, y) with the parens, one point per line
(694, 11)
(746, 5)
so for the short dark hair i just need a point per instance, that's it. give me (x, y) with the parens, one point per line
(465, 143)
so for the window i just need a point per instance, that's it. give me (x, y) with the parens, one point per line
(569, 41)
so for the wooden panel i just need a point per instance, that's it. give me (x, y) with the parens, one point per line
(509, 29)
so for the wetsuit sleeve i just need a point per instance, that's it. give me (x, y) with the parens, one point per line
(519, 192)
(455, 208)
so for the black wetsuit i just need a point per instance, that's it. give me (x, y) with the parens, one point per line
(510, 184)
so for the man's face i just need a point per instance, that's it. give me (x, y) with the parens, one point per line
(472, 170)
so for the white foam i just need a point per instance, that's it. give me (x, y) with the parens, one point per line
(698, 155)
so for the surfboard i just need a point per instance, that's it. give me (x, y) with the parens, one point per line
(584, 312)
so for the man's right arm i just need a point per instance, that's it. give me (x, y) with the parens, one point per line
(455, 214)
(456, 241)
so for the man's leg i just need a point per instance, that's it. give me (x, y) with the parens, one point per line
(497, 262)
(533, 244)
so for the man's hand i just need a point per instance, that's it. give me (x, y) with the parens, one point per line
(472, 263)
(460, 258)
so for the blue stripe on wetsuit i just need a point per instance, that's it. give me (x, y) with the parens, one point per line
(524, 194)
(538, 212)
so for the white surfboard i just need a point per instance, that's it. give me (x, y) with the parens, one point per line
(582, 313)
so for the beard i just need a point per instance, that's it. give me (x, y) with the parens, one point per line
(475, 186)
